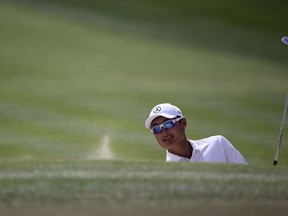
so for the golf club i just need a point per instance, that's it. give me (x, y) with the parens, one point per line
(281, 132)
(285, 40)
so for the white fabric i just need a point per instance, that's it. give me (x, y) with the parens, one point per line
(166, 110)
(214, 149)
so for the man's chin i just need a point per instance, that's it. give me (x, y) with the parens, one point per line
(168, 144)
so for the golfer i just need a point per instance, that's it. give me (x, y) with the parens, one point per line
(168, 125)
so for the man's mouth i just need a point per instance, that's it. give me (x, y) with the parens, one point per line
(167, 138)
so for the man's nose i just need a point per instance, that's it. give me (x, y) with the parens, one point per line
(164, 130)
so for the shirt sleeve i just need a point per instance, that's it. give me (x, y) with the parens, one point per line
(232, 154)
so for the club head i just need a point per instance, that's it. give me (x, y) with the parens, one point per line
(285, 40)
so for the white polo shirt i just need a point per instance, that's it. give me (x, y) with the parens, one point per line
(214, 149)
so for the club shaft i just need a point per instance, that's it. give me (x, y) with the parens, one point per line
(281, 131)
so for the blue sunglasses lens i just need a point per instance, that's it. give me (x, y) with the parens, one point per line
(157, 129)
(169, 124)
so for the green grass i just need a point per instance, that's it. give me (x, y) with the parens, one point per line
(150, 187)
(67, 83)
(78, 180)
(73, 75)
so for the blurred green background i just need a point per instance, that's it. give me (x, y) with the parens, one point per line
(77, 74)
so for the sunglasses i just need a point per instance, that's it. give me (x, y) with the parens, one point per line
(167, 125)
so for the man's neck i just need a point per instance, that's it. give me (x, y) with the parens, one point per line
(184, 149)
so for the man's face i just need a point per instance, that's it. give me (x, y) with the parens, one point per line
(169, 138)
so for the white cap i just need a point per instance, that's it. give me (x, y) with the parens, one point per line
(166, 110)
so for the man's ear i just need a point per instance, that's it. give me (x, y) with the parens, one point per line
(184, 122)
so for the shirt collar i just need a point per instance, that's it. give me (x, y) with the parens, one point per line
(173, 157)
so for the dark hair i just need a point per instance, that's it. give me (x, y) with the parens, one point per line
(179, 117)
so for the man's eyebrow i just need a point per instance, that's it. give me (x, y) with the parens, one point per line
(155, 123)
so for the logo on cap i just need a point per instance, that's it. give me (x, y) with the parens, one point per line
(157, 109)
